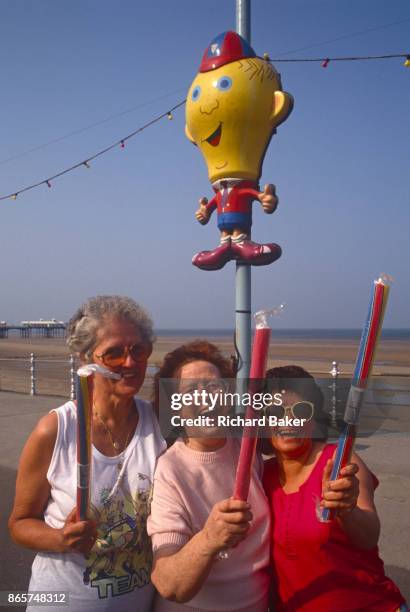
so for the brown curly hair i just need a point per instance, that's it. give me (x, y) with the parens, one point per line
(198, 350)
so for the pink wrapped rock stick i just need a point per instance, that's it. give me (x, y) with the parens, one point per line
(259, 360)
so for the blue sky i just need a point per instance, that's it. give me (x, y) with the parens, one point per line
(340, 162)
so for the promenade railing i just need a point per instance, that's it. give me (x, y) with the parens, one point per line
(46, 376)
(388, 396)
(38, 376)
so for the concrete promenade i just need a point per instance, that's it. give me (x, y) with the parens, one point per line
(388, 456)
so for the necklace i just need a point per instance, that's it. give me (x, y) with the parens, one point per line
(114, 443)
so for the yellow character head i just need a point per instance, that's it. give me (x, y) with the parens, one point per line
(233, 107)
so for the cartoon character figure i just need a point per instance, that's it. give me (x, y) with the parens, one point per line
(233, 108)
(121, 558)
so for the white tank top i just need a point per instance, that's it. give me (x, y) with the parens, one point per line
(116, 574)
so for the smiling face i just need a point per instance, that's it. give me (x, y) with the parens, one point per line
(200, 375)
(231, 114)
(114, 335)
(289, 440)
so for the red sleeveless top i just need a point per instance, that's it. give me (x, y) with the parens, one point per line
(316, 568)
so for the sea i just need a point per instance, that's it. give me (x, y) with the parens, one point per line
(296, 334)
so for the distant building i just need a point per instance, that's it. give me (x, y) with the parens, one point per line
(43, 323)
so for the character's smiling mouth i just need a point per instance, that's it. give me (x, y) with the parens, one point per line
(215, 137)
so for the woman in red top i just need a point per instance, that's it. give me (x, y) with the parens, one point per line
(321, 567)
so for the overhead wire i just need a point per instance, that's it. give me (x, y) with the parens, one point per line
(345, 36)
(339, 59)
(90, 126)
(86, 162)
(121, 142)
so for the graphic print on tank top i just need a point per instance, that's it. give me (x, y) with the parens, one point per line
(121, 560)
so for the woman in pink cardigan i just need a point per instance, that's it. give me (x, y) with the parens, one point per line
(211, 553)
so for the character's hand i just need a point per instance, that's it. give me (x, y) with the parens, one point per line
(227, 525)
(269, 199)
(78, 536)
(202, 213)
(341, 494)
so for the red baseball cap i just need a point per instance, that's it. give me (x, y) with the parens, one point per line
(225, 48)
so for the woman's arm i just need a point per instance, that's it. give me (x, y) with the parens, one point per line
(26, 523)
(352, 496)
(179, 576)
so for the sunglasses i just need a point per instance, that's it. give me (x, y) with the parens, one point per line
(298, 410)
(117, 355)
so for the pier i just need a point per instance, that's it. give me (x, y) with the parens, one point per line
(47, 329)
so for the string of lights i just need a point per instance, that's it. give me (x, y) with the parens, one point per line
(92, 125)
(343, 59)
(85, 163)
(325, 60)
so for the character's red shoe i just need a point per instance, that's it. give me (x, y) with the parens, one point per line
(256, 254)
(215, 259)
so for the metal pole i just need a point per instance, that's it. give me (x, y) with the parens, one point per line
(243, 300)
(334, 373)
(243, 19)
(72, 378)
(32, 374)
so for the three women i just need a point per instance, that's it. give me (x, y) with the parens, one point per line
(210, 552)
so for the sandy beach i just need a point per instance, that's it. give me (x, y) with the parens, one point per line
(315, 355)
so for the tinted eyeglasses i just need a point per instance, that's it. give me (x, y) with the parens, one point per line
(117, 355)
(212, 385)
(298, 410)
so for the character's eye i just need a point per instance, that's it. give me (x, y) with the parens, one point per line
(196, 92)
(224, 83)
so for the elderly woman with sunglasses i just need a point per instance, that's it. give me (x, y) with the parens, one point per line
(319, 567)
(104, 562)
(211, 552)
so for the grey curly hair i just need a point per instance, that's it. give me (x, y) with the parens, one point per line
(84, 324)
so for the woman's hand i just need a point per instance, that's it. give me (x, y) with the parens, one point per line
(179, 575)
(78, 536)
(342, 494)
(227, 525)
(352, 498)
